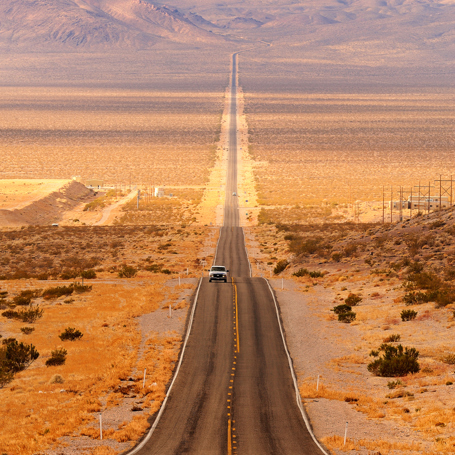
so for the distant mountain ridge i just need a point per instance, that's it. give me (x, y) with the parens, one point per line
(374, 26)
(88, 24)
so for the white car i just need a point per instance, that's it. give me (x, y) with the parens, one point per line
(218, 273)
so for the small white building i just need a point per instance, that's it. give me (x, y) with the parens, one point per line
(417, 202)
(159, 192)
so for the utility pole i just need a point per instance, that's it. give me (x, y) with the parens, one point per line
(383, 206)
(445, 188)
(410, 212)
(401, 203)
(391, 205)
(138, 197)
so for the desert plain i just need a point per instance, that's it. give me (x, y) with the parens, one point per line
(331, 119)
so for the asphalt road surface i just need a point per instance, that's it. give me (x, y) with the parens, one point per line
(234, 392)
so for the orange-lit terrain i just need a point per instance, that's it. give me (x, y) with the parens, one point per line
(338, 102)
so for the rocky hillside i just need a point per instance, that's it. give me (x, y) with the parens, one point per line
(41, 25)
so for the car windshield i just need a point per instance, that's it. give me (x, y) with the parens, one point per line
(218, 269)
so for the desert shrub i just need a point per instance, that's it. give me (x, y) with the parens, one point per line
(341, 309)
(304, 272)
(280, 266)
(88, 274)
(392, 338)
(347, 317)
(301, 272)
(395, 361)
(71, 334)
(27, 315)
(18, 356)
(336, 257)
(127, 271)
(350, 250)
(408, 315)
(424, 280)
(25, 297)
(54, 293)
(316, 274)
(10, 314)
(307, 246)
(31, 314)
(291, 237)
(157, 268)
(81, 288)
(69, 274)
(449, 359)
(415, 298)
(352, 299)
(27, 330)
(394, 384)
(58, 357)
(6, 376)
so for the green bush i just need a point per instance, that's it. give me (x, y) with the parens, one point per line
(408, 315)
(395, 361)
(88, 274)
(81, 288)
(316, 274)
(25, 297)
(394, 384)
(127, 271)
(347, 317)
(336, 257)
(69, 274)
(352, 299)
(392, 338)
(27, 315)
(58, 357)
(55, 293)
(304, 272)
(341, 309)
(280, 266)
(71, 334)
(27, 330)
(18, 356)
(301, 272)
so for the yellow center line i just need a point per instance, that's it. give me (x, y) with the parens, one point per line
(229, 438)
(237, 319)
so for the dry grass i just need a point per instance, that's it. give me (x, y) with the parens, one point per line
(377, 446)
(107, 316)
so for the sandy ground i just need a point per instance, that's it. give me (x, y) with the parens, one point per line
(313, 349)
(211, 207)
(161, 321)
(18, 193)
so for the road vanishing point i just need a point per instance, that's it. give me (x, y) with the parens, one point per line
(234, 391)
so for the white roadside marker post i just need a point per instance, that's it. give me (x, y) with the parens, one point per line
(282, 283)
(187, 270)
(143, 382)
(170, 311)
(179, 280)
(345, 433)
(317, 384)
(101, 426)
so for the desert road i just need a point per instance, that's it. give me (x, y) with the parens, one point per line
(234, 393)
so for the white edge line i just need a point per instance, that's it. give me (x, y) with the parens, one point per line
(163, 405)
(297, 393)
